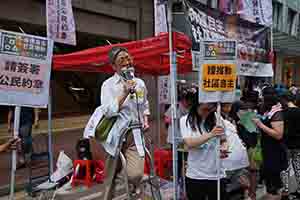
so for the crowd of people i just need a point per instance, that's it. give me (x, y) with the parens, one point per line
(263, 147)
(256, 136)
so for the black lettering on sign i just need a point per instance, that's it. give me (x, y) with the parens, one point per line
(230, 84)
(38, 84)
(211, 70)
(26, 83)
(16, 81)
(228, 70)
(22, 67)
(215, 83)
(207, 83)
(34, 69)
(4, 80)
(223, 83)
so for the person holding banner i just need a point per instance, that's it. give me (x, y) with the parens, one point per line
(11, 144)
(199, 132)
(25, 133)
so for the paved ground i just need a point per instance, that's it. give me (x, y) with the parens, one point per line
(58, 125)
(64, 141)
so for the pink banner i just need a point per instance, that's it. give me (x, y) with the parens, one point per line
(60, 21)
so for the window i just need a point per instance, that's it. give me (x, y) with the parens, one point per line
(292, 22)
(277, 15)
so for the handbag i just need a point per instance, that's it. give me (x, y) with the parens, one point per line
(104, 127)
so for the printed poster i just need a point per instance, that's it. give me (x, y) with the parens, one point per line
(60, 21)
(160, 16)
(202, 23)
(256, 11)
(218, 77)
(164, 89)
(25, 66)
(218, 71)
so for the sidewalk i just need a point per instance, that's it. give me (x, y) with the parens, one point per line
(58, 125)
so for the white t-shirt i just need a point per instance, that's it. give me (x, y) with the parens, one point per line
(181, 111)
(202, 161)
(238, 158)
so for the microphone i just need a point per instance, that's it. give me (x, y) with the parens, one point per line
(128, 75)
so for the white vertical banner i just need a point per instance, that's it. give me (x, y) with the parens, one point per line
(164, 89)
(257, 11)
(60, 21)
(160, 16)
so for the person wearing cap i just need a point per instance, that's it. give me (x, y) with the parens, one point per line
(125, 96)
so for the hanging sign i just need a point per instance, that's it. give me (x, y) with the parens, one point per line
(60, 21)
(160, 16)
(25, 66)
(164, 89)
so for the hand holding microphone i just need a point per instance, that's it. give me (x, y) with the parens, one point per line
(129, 86)
(128, 75)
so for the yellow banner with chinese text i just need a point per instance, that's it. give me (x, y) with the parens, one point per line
(218, 77)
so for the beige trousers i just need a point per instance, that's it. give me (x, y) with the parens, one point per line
(135, 169)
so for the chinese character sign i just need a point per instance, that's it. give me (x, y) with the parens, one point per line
(160, 17)
(218, 77)
(253, 39)
(164, 89)
(25, 65)
(60, 21)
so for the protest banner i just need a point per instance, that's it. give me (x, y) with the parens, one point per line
(256, 11)
(218, 73)
(160, 16)
(60, 21)
(25, 66)
(203, 23)
(218, 77)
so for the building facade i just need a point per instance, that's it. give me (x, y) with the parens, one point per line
(286, 37)
(98, 22)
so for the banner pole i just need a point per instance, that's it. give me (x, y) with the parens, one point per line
(173, 77)
(14, 152)
(50, 150)
(218, 152)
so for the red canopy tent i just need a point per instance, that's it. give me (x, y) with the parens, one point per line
(151, 56)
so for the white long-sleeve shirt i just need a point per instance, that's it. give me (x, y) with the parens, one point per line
(111, 89)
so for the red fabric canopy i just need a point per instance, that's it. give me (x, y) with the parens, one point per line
(151, 56)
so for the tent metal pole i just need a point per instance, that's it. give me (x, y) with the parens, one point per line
(173, 77)
(158, 125)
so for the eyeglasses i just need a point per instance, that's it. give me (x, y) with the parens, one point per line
(124, 60)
